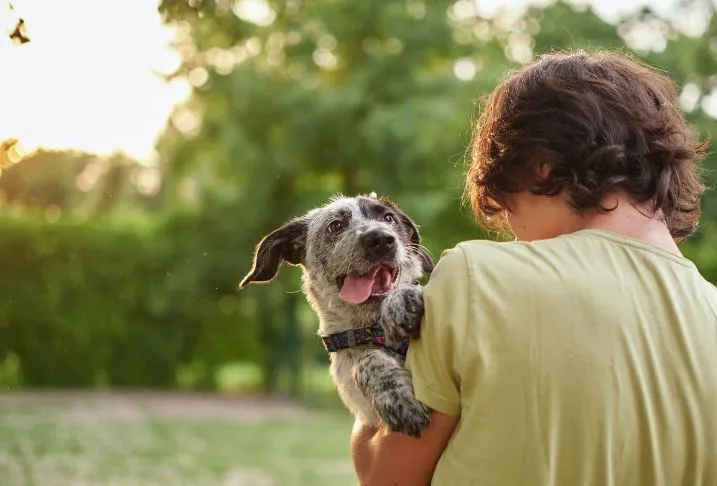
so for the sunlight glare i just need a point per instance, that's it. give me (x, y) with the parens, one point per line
(689, 97)
(709, 104)
(325, 59)
(90, 85)
(147, 180)
(198, 77)
(186, 121)
(255, 11)
(462, 10)
(53, 213)
(464, 69)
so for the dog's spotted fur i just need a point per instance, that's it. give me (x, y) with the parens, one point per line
(371, 380)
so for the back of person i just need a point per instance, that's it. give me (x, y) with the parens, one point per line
(586, 359)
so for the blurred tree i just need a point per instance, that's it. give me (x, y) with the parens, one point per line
(45, 178)
(295, 101)
(301, 101)
(71, 181)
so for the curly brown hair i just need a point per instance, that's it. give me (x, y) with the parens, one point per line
(602, 122)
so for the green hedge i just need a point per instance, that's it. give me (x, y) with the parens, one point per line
(133, 303)
(122, 303)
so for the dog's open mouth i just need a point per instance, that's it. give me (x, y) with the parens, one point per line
(357, 289)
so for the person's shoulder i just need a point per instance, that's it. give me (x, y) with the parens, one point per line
(495, 254)
(472, 258)
(460, 256)
(488, 247)
(513, 263)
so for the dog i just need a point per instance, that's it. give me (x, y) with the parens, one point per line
(361, 260)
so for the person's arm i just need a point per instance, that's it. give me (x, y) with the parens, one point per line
(387, 458)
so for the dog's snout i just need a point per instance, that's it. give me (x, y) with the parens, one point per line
(379, 243)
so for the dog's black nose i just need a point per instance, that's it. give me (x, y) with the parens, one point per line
(379, 243)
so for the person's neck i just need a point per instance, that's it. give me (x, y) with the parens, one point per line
(631, 220)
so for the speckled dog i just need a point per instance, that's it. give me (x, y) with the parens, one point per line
(362, 260)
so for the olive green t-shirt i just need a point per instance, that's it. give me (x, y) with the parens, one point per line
(584, 360)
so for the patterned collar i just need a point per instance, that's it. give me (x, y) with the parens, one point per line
(372, 334)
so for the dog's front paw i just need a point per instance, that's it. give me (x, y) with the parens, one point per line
(388, 387)
(406, 415)
(401, 314)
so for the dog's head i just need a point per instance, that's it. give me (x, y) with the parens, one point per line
(354, 250)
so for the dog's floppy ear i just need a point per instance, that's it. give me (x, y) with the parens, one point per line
(287, 243)
(426, 259)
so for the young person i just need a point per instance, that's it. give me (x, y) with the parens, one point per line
(585, 352)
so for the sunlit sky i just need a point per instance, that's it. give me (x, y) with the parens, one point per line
(87, 80)
(88, 77)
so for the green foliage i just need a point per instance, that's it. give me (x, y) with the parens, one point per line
(118, 304)
(702, 249)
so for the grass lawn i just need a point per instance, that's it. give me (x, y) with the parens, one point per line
(146, 439)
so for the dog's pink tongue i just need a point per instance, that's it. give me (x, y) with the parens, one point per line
(357, 289)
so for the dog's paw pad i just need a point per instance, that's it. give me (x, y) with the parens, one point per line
(401, 313)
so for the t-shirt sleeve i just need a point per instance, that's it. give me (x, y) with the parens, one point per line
(433, 358)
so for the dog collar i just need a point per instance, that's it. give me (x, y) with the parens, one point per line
(372, 334)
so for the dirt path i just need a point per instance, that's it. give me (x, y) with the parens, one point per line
(123, 438)
(142, 404)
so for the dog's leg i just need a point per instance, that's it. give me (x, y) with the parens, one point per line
(401, 314)
(387, 384)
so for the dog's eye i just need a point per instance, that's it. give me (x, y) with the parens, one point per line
(335, 226)
(389, 218)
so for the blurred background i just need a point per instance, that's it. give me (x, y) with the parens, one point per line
(147, 146)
